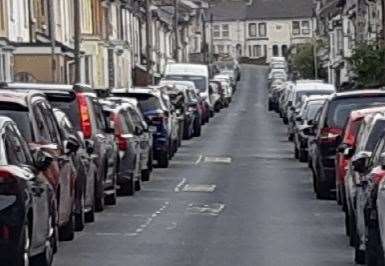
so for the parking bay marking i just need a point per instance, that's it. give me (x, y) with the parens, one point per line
(213, 209)
(225, 160)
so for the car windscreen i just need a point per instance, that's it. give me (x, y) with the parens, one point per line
(375, 134)
(199, 81)
(70, 108)
(20, 116)
(340, 109)
(148, 102)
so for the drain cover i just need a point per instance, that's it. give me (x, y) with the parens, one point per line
(199, 188)
(217, 160)
(213, 209)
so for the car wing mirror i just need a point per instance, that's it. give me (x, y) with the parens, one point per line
(342, 147)
(71, 144)
(360, 162)
(349, 152)
(42, 160)
(138, 131)
(89, 146)
(298, 118)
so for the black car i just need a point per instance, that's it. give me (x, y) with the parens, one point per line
(328, 133)
(27, 202)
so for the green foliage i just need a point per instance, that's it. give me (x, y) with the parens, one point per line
(368, 64)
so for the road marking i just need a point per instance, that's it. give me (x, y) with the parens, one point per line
(199, 159)
(213, 209)
(199, 188)
(226, 160)
(180, 185)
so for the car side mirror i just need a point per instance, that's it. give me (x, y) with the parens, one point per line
(71, 145)
(341, 148)
(89, 146)
(298, 118)
(360, 162)
(138, 131)
(42, 160)
(308, 131)
(348, 152)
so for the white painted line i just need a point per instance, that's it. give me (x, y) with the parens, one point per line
(199, 188)
(139, 230)
(226, 160)
(199, 159)
(108, 234)
(131, 234)
(180, 185)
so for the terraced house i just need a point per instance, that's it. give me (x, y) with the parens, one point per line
(122, 43)
(259, 28)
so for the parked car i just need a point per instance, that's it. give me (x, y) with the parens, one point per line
(215, 96)
(309, 110)
(296, 100)
(85, 169)
(33, 115)
(28, 211)
(199, 74)
(369, 132)
(157, 116)
(226, 85)
(195, 103)
(128, 142)
(80, 104)
(329, 130)
(285, 100)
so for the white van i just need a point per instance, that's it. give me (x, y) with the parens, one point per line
(199, 74)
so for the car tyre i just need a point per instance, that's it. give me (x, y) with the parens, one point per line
(302, 156)
(146, 174)
(137, 185)
(110, 199)
(296, 152)
(80, 220)
(127, 189)
(374, 252)
(163, 161)
(89, 217)
(67, 231)
(197, 129)
(23, 252)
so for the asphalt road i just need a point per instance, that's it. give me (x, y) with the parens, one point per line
(233, 197)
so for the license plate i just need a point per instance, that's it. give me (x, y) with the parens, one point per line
(152, 129)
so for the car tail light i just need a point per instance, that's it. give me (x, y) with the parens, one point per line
(330, 134)
(7, 178)
(158, 119)
(85, 119)
(122, 143)
(5, 232)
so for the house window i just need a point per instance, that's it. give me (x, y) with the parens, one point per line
(88, 69)
(217, 31)
(305, 27)
(275, 50)
(257, 51)
(252, 29)
(339, 40)
(284, 50)
(225, 30)
(2, 16)
(296, 28)
(220, 49)
(262, 29)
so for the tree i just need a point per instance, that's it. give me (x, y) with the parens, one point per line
(368, 64)
(302, 61)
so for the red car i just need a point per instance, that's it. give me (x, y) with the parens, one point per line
(347, 148)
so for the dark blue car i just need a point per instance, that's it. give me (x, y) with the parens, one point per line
(158, 118)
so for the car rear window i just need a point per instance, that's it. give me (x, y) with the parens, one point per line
(375, 134)
(340, 109)
(20, 116)
(312, 110)
(148, 102)
(199, 81)
(70, 108)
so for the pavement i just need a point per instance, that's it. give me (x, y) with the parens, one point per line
(234, 197)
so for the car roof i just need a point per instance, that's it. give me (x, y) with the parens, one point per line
(18, 97)
(314, 86)
(46, 86)
(359, 114)
(357, 94)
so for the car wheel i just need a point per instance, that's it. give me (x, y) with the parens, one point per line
(89, 217)
(374, 252)
(197, 130)
(285, 121)
(127, 189)
(302, 156)
(163, 161)
(269, 106)
(290, 137)
(137, 185)
(359, 256)
(347, 225)
(146, 174)
(67, 231)
(46, 257)
(296, 152)
(80, 218)
(110, 199)
(322, 191)
(353, 238)
(99, 202)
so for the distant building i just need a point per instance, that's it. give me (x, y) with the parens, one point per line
(259, 28)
